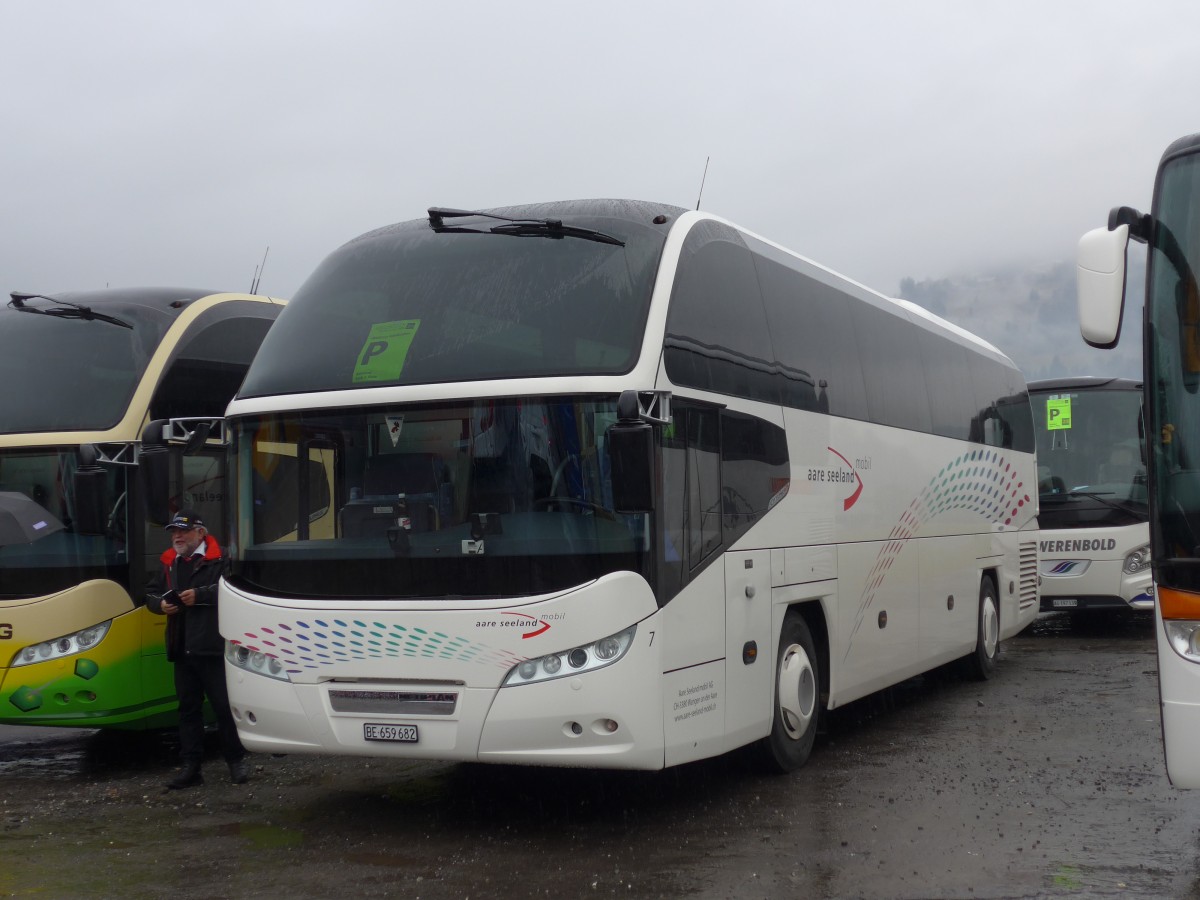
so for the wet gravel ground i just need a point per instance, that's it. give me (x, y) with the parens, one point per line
(1046, 781)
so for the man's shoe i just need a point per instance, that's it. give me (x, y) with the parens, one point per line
(238, 772)
(189, 776)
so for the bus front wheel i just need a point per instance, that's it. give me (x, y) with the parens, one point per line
(797, 699)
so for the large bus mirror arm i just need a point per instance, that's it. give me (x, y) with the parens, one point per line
(1140, 224)
(190, 433)
(646, 406)
(159, 436)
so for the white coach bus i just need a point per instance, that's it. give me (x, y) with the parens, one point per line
(1095, 526)
(610, 484)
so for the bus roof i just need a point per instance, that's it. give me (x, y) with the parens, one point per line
(1180, 147)
(1084, 382)
(165, 299)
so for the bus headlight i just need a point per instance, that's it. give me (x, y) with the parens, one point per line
(1184, 637)
(67, 645)
(255, 661)
(575, 661)
(1137, 561)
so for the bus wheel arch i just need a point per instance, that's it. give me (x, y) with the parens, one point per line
(980, 664)
(799, 692)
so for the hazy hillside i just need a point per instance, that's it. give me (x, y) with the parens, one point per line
(1031, 316)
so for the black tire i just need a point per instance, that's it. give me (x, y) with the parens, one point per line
(797, 699)
(981, 664)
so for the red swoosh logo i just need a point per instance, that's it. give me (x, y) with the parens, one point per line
(853, 498)
(545, 626)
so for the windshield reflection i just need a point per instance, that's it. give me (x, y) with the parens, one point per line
(498, 497)
(46, 557)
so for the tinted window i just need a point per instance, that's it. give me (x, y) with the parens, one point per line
(704, 504)
(952, 403)
(717, 338)
(1090, 438)
(812, 331)
(493, 498)
(890, 354)
(210, 363)
(58, 554)
(77, 374)
(408, 305)
(754, 470)
(1004, 418)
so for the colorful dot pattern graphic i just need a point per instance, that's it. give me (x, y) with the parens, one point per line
(316, 643)
(983, 482)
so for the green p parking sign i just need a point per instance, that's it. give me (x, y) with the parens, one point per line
(1058, 413)
(382, 356)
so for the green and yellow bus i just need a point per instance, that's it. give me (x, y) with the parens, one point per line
(83, 373)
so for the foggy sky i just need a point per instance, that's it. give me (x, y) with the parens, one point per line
(170, 144)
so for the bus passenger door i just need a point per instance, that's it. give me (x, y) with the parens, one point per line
(749, 646)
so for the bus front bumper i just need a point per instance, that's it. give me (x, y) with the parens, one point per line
(590, 720)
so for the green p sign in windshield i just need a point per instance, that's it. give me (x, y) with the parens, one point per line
(382, 356)
(1058, 413)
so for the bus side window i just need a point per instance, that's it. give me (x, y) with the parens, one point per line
(754, 470)
(206, 369)
(704, 484)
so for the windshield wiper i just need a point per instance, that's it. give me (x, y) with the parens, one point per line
(551, 228)
(64, 309)
(1101, 498)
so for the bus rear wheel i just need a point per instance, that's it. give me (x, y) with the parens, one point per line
(981, 664)
(797, 699)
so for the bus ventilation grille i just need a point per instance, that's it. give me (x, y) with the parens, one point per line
(1029, 574)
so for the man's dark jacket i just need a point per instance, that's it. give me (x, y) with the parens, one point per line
(193, 630)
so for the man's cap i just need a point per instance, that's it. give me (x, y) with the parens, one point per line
(185, 518)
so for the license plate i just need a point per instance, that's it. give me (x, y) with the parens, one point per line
(405, 734)
(1064, 602)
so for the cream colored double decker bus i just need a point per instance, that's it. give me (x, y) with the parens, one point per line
(83, 373)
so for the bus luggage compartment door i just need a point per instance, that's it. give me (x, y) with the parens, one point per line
(749, 646)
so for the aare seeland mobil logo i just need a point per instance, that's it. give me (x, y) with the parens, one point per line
(530, 626)
(845, 473)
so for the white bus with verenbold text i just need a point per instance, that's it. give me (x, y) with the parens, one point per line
(1094, 541)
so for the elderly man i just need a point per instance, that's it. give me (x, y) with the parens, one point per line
(185, 591)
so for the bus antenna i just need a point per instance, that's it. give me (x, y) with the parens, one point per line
(258, 270)
(702, 177)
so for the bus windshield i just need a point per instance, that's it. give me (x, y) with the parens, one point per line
(1173, 311)
(1090, 467)
(41, 550)
(486, 498)
(70, 373)
(409, 304)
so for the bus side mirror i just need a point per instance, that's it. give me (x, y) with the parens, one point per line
(90, 485)
(154, 472)
(631, 458)
(1100, 285)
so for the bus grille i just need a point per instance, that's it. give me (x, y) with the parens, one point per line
(1029, 574)
(405, 703)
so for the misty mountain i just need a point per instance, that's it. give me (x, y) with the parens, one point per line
(1031, 315)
